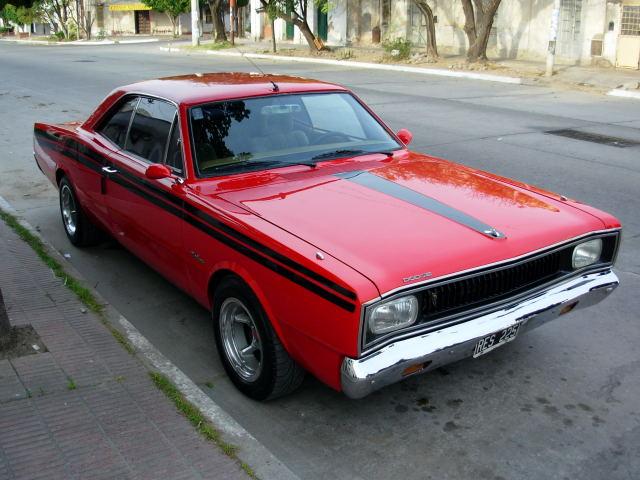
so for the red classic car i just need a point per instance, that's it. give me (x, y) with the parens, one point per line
(317, 240)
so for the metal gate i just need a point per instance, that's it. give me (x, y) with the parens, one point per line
(570, 29)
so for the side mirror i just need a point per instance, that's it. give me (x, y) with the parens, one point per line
(156, 171)
(405, 136)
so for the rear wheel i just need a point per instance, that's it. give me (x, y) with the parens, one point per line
(250, 350)
(79, 229)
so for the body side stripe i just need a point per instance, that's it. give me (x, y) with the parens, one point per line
(204, 223)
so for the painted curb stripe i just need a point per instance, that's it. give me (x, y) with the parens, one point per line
(395, 190)
(204, 222)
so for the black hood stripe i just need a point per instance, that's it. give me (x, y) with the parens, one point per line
(405, 194)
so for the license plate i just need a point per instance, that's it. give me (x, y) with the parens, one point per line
(495, 340)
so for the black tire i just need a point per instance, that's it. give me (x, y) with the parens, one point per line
(279, 374)
(85, 233)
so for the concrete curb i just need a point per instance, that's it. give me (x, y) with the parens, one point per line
(366, 65)
(618, 92)
(250, 450)
(82, 42)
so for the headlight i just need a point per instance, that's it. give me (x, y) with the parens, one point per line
(586, 253)
(393, 315)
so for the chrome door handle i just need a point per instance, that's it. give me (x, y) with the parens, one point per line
(109, 170)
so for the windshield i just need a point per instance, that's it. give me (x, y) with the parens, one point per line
(278, 130)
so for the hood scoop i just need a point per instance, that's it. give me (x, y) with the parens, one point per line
(400, 192)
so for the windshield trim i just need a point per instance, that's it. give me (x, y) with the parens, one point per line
(268, 166)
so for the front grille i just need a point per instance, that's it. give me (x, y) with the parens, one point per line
(489, 287)
(462, 296)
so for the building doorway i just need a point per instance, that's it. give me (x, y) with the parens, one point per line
(323, 24)
(628, 51)
(570, 29)
(143, 22)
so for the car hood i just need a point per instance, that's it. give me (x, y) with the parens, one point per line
(409, 219)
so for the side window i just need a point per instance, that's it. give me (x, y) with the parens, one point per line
(174, 149)
(115, 129)
(150, 129)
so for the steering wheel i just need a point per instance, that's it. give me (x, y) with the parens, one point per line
(326, 136)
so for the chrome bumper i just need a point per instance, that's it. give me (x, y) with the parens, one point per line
(362, 376)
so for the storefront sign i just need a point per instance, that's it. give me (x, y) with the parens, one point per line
(128, 7)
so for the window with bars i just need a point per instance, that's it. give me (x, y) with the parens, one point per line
(630, 24)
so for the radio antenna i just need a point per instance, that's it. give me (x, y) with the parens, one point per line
(276, 88)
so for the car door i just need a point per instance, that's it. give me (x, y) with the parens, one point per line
(93, 152)
(145, 213)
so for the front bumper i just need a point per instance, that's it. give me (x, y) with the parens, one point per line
(388, 365)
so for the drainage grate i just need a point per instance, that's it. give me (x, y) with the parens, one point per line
(594, 138)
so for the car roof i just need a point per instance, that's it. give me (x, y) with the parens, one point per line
(208, 87)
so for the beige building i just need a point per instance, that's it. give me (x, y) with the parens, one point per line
(590, 31)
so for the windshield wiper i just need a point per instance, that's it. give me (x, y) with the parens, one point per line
(243, 163)
(310, 163)
(350, 153)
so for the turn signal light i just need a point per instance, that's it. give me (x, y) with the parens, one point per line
(418, 367)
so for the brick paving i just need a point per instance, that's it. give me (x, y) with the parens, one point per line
(85, 408)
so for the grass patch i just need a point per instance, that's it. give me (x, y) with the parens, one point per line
(71, 384)
(211, 46)
(83, 293)
(197, 419)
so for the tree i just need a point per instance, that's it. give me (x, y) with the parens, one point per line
(216, 8)
(172, 8)
(295, 11)
(55, 13)
(6, 332)
(83, 19)
(479, 16)
(427, 13)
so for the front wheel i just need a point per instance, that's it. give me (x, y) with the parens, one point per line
(250, 350)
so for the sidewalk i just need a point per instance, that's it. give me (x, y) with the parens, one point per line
(85, 408)
(587, 78)
(46, 40)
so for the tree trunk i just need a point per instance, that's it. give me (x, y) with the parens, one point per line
(427, 13)
(478, 24)
(173, 24)
(273, 34)
(221, 35)
(302, 24)
(299, 20)
(5, 327)
(217, 34)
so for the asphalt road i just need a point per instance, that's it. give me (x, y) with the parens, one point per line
(560, 402)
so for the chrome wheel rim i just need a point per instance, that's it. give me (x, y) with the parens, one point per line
(241, 339)
(69, 210)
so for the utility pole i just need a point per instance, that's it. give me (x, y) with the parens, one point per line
(195, 23)
(553, 37)
(232, 20)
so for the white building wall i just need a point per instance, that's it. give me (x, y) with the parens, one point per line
(337, 21)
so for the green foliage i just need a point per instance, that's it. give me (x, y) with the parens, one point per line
(83, 293)
(19, 15)
(171, 7)
(9, 13)
(398, 48)
(275, 8)
(197, 419)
